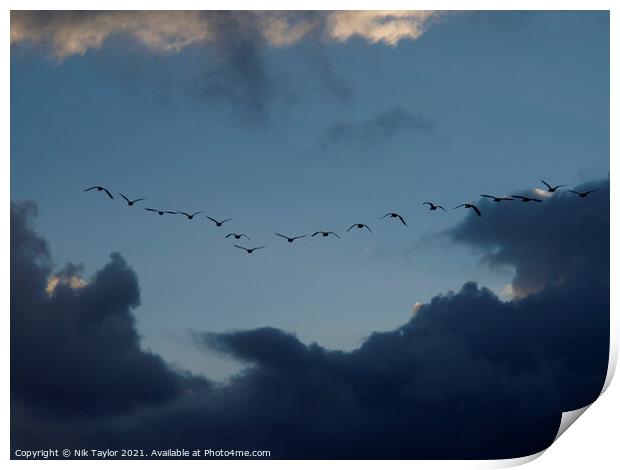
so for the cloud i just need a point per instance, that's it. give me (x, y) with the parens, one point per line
(468, 376)
(547, 243)
(66, 33)
(378, 128)
(77, 352)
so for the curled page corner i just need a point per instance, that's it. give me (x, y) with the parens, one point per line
(568, 418)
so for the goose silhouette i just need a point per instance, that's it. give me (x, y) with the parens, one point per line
(325, 234)
(527, 199)
(470, 206)
(394, 215)
(498, 198)
(129, 201)
(237, 235)
(100, 188)
(217, 222)
(160, 212)
(250, 250)
(584, 193)
(290, 239)
(434, 207)
(552, 189)
(189, 216)
(359, 226)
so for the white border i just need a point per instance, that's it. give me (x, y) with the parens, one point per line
(593, 442)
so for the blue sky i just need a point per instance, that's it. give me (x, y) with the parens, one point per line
(316, 135)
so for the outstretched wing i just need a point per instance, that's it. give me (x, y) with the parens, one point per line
(88, 189)
(368, 228)
(301, 236)
(242, 247)
(402, 220)
(230, 235)
(476, 209)
(244, 235)
(170, 212)
(488, 195)
(280, 235)
(389, 213)
(315, 233)
(138, 200)
(184, 213)
(124, 197)
(108, 193)
(519, 197)
(546, 184)
(211, 219)
(429, 203)
(442, 208)
(574, 192)
(225, 220)
(462, 205)
(351, 227)
(196, 213)
(335, 234)
(149, 209)
(258, 247)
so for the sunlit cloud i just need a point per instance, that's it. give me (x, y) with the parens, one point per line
(74, 282)
(66, 34)
(542, 193)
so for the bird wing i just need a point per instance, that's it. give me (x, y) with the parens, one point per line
(429, 203)
(230, 235)
(170, 212)
(108, 193)
(519, 197)
(244, 235)
(334, 233)
(488, 195)
(259, 247)
(211, 219)
(368, 228)
(535, 200)
(242, 247)
(226, 220)
(351, 227)
(389, 213)
(280, 235)
(476, 209)
(88, 189)
(184, 213)
(124, 197)
(402, 220)
(301, 236)
(140, 199)
(315, 233)
(149, 209)
(459, 206)
(546, 184)
(574, 192)
(196, 213)
(591, 191)
(442, 208)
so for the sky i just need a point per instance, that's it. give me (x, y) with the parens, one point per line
(294, 123)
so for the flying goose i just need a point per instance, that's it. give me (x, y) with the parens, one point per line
(290, 239)
(250, 250)
(434, 207)
(470, 206)
(237, 235)
(394, 215)
(130, 202)
(527, 199)
(552, 189)
(160, 212)
(100, 188)
(359, 226)
(325, 234)
(217, 223)
(584, 193)
(498, 198)
(189, 216)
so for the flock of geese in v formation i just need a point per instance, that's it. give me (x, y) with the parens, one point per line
(394, 215)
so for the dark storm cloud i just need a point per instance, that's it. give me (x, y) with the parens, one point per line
(469, 376)
(378, 128)
(75, 349)
(563, 237)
